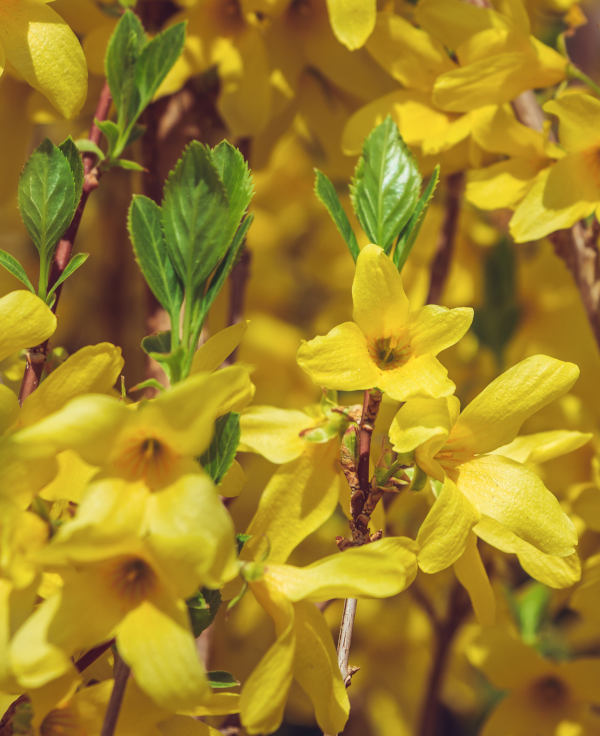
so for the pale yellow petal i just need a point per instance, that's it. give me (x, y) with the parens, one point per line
(217, 348)
(9, 408)
(422, 375)
(380, 305)
(91, 370)
(274, 433)
(443, 535)
(543, 446)
(473, 577)
(435, 328)
(26, 322)
(516, 498)
(495, 415)
(578, 116)
(377, 570)
(340, 359)
(503, 184)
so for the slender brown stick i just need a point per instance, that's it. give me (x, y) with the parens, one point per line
(121, 672)
(345, 638)
(36, 356)
(440, 265)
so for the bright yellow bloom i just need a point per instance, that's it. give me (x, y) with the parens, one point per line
(545, 697)
(41, 48)
(569, 189)
(129, 559)
(485, 491)
(388, 346)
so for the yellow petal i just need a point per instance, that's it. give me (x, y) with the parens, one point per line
(9, 408)
(516, 498)
(380, 305)
(377, 570)
(578, 117)
(45, 52)
(264, 693)
(543, 446)
(175, 681)
(273, 432)
(472, 576)
(454, 24)
(316, 669)
(435, 328)
(93, 369)
(443, 535)
(340, 359)
(494, 417)
(503, 184)
(422, 375)
(299, 498)
(352, 21)
(217, 348)
(26, 322)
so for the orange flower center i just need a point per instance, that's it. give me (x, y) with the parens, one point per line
(147, 458)
(131, 579)
(389, 352)
(550, 692)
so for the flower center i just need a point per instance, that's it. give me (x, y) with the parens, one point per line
(389, 352)
(550, 692)
(131, 579)
(147, 458)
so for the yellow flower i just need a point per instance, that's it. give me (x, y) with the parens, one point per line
(569, 189)
(543, 697)
(43, 50)
(485, 491)
(388, 346)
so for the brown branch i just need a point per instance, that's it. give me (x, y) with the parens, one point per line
(36, 356)
(440, 265)
(121, 673)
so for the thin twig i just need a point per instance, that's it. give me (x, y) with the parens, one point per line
(121, 673)
(36, 356)
(345, 638)
(440, 265)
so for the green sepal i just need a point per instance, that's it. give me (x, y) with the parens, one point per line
(76, 262)
(532, 610)
(326, 193)
(407, 237)
(221, 453)
(386, 185)
(419, 480)
(10, 264)
(219, 679)
(202, 609)
(150, 248)
(47, 197)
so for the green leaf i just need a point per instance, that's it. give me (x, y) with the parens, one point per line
(218, 458)
(151, 253)
(13, 266)
(85, 145)
(111, 133)
(386, 185)
(127, 164)
(148, 383)
(195, 215)
(409, 235)
(159, 343)
(153, 65)
(241, 540)
(202, 609)
(73, 156)
(124, 49)
(219, 679)
(76, 261)
(235, 175)
(158, 347)
(532, 610)
(47, 197)
(326, 193)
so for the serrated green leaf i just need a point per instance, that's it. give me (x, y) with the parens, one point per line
(85, 145)
(150, 248)
(46, 196)
(386, 185)
(219, 679)
(153, 65)
(73, 156)
(235, 175)
(13, 266)
(76, 262)
(111, 133)
(409, 235)
(221, 452)
(195, 214)
(123, 50)
(202, 609)
(326, 193)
